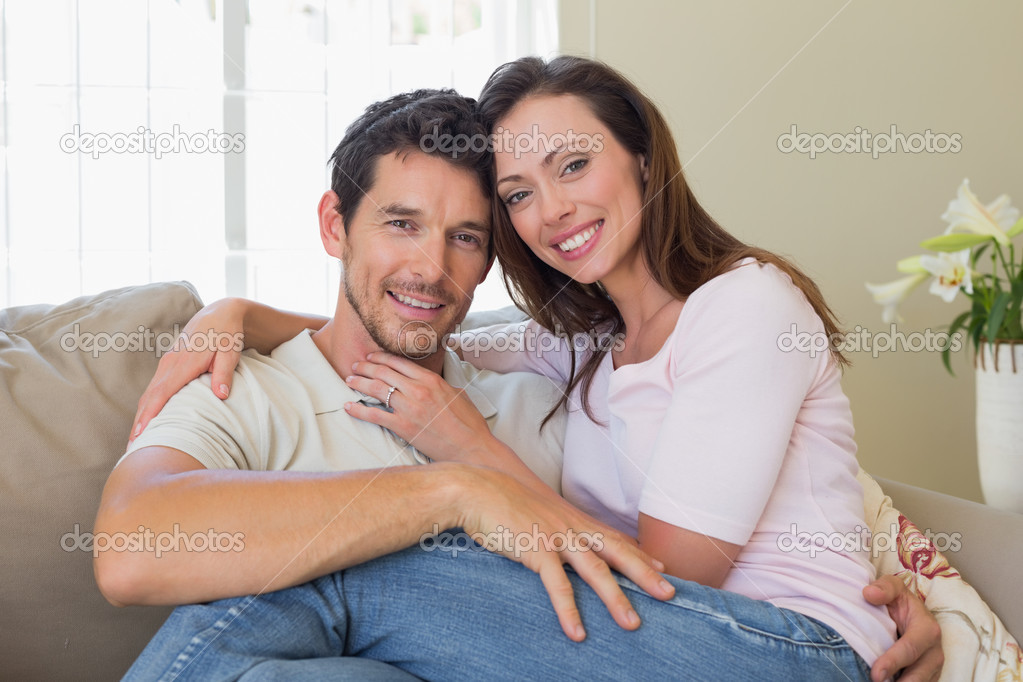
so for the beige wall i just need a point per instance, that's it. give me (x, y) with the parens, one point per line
(846, 218)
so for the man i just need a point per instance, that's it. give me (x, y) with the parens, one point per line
(303, 490)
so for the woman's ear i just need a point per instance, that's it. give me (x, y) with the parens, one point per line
(644, 169)
(332, 225)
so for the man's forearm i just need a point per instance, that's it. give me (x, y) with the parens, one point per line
(222, 533)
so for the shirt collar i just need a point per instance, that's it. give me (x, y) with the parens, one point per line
(328, 392)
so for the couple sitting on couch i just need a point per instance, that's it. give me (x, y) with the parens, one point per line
(689, 446)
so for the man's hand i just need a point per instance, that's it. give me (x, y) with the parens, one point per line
(544, 532)
(918, 648)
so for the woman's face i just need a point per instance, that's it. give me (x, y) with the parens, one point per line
(573, 192)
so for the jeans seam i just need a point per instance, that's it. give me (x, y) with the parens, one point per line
(830, 642)
(189, 654)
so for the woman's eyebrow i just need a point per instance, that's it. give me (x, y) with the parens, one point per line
(547, 160)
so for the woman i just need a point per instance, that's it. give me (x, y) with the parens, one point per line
(695, 433)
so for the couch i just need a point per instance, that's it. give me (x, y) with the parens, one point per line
(70, 376)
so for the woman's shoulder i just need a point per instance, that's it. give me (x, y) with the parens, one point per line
(749, 278)
(749, 285)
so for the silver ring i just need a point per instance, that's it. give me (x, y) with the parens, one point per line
(390, 390)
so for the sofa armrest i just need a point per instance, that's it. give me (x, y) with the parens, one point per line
(989, 553)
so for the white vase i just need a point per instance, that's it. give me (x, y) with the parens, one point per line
(1000, 424)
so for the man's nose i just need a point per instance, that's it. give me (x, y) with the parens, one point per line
(426, 257)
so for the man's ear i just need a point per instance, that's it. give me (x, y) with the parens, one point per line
(486, 270)
(332, 226)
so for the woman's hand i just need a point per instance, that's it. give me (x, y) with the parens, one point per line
(428, 412)
(212, 341)
(221, 322)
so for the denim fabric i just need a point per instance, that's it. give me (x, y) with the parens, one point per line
(470, 615)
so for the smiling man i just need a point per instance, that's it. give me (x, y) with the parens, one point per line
(317, 503)
(312, 490)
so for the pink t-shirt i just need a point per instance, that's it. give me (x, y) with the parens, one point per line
(731, 431)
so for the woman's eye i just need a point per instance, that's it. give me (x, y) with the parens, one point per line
(516, 197)
(575, 166)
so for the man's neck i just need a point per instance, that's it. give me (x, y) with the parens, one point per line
(345, 341)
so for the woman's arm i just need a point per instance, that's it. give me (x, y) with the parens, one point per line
(444, 425)
(233, 324)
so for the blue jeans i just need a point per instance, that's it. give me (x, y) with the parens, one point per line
(470, 615)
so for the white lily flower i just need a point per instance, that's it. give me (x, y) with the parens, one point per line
(965, 212)
(951, 271)
(890, 295)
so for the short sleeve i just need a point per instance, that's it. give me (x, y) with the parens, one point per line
(735, 401)
(518, 347)
(220, 434)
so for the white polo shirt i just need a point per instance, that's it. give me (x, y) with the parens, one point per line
(286, 413)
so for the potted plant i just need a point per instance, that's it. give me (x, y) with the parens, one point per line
(976, 256)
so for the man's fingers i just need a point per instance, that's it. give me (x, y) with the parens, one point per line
(919, 646)
(598, 576)
(884, 590)
(927, 669)
(637, 566)
(559, 589)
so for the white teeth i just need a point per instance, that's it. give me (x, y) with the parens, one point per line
(574, 242)
(415, 302)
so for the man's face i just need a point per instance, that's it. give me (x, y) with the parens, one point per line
(415, 251)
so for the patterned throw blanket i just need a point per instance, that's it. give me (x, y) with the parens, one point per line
(976, 644)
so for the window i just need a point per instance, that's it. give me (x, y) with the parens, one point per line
(188, 139)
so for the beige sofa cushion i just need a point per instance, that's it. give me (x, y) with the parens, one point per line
(67, 401)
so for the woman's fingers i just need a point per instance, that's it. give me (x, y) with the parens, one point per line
(175, 370)
(224, 363)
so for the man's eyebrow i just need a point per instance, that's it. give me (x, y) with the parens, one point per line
(473, 226)
(398, 210)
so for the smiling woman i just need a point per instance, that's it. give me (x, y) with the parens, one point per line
(699, 438)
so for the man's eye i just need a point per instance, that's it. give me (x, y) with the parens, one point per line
(400, 224)
(468, 238)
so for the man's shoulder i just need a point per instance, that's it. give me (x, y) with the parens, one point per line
(503, 387)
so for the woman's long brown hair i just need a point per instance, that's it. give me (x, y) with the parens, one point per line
(684, 247)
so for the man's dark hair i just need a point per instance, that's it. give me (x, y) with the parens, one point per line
(439, 122)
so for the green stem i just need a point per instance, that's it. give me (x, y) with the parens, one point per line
(1001, 255)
